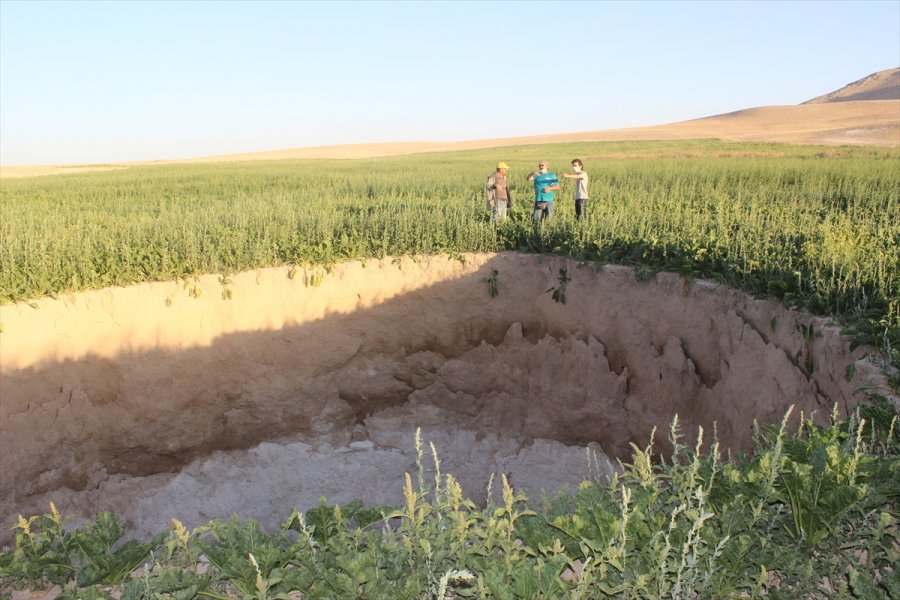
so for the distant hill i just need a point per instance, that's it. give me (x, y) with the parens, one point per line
(866, 112)
(883, 85)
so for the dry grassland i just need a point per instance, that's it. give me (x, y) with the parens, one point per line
(869, 123)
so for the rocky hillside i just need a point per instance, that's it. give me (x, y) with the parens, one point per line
(883, 85)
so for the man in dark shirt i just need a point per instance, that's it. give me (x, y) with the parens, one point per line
(498, 195)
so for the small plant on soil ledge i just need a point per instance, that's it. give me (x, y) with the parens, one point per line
(812, 513)
(559, 292)
(494, 283)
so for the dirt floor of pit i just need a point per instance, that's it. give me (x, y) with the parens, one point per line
(266, 481)
(131, 396)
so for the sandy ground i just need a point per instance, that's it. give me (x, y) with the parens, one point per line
(874, 123)
(157, 403)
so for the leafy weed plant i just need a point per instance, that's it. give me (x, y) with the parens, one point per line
(811, 513)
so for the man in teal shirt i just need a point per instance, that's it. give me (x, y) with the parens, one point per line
(545, 184)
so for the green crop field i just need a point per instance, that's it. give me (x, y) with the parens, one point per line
(816, 227)
(812, 513)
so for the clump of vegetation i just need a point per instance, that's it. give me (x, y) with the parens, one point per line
(559, 291)
(493, 282)
(812, 513)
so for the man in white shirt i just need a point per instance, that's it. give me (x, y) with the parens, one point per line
(581, 187)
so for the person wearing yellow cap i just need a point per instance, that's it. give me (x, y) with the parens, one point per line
(499, 198)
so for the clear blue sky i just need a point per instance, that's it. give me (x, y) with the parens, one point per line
(87, 82)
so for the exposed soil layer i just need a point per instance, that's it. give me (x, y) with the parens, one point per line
(198, 399)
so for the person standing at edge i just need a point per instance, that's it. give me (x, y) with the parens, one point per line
(581, 187)
(499, 197)
(545, 183)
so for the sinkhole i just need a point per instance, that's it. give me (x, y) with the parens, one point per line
(267, 390)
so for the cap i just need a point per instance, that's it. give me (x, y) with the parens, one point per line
(502, 165)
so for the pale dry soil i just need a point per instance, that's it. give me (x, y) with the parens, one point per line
(196, 399)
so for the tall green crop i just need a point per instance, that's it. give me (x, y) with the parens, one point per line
(816, 228)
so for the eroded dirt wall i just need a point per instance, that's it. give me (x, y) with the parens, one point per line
(144, 379)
